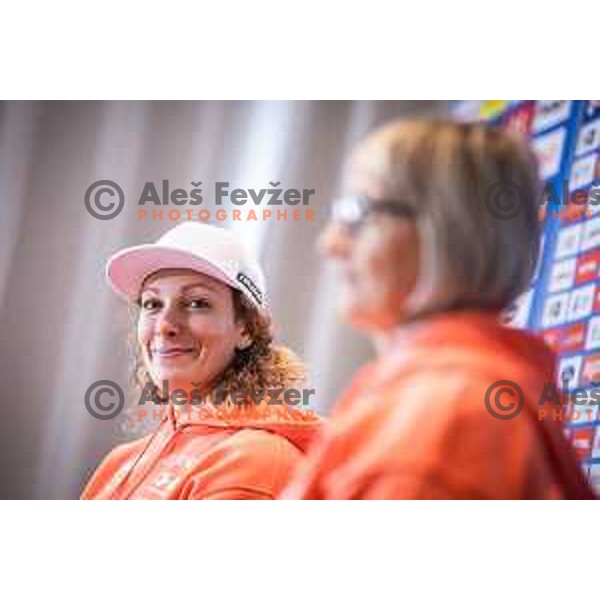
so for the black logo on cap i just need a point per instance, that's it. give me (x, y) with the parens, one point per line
(251, 287)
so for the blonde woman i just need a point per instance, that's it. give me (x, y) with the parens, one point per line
(204, 334)
(427, 267)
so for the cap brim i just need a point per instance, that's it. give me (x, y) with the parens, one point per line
(127, 269)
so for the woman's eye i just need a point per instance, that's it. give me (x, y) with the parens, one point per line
(199, 303)
(150, 304)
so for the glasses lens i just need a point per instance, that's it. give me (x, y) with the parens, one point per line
(350, 210)
(353, 210)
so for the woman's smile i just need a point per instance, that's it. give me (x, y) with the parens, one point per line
(169, 353)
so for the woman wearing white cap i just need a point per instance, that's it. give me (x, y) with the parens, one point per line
(204, 330)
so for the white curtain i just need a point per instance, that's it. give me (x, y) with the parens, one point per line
(61, 329)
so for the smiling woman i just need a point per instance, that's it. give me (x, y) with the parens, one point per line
(203, 324)
(207, 343)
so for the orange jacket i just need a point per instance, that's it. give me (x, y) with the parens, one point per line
(207, 454)
(415, 423)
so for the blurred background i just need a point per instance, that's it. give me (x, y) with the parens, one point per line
(61, 327)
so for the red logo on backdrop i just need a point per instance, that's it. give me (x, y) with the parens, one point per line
(551, 337)
(590, 373)
(566, 339)
(587, 267)
(582, 441)
(573, 338)
(520, 118)
(596, 307)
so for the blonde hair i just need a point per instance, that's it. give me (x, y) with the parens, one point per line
(263, 365)
(446, 174)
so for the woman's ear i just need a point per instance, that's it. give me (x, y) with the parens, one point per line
(244, 342)
(244, 337)
(243, 317)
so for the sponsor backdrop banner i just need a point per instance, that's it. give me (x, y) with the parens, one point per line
(563, 302)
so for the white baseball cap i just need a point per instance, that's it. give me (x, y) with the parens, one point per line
(204, 248)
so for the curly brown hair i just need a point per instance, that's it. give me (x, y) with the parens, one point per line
(260, 366)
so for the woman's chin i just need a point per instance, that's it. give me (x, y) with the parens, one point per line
(188, 379)
(366, 322)
(174, 378)
(352, 314)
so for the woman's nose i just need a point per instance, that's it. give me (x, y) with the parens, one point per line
(168, 323)
(335, 241)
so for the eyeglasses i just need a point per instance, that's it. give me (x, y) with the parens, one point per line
(353, 211)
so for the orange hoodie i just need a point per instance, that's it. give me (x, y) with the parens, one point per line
(208, 453)
(415, 423)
